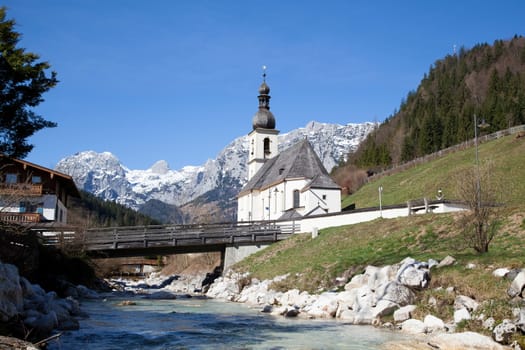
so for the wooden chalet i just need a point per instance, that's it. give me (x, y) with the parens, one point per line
(30, 193)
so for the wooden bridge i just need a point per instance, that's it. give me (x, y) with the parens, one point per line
(165, 239)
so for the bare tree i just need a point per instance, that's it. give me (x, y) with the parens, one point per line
(482, 192)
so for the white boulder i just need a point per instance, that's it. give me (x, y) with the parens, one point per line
(325, 306)
(461, 314)
(413, 274)
(434, 324)
(464, 340)
(414, 326)
(503, 331)
(11, 295)
(404, 313)
(516, 287)
(468, 303)
(501, 272)
(447, 261)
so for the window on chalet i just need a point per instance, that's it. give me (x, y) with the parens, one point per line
(36, 179)
(28, 207)
(296, 199)
(11, 178)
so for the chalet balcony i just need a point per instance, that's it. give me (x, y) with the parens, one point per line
(20, 189)
(20, 218)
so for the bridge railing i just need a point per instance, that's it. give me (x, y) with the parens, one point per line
(184, 235)
(123, 237)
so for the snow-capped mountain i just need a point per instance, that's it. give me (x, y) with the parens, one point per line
(103, 175)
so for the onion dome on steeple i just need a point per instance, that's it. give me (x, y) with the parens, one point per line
(264, 118)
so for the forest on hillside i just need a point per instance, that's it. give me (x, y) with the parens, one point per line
(91, 211)
(486, 83)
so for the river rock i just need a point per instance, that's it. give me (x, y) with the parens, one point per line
(86, 293)
(413, 326)
(356, 282)
(432, 263)
(14, 343)
(464, 341)
(304, 299)
(501, 272)
(461, 314)
(463, 301)
(397, 293)
(267, 309)
(41, 323)
(517, 285)
(325, 306)
(434, 324)
(291, 312)
(290, 297)
(511, 275)
(226, 288)
(404, 313)
(521, 320)
(11, 296)
(413, 274)
(470, 266)
(502, 332)
(447, 261)
(346, 314)
(256, 293)
(489, 323)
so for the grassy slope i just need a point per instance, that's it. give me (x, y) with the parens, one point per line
(507, 154)
(314, 264)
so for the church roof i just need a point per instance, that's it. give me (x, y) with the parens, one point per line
(297, 162)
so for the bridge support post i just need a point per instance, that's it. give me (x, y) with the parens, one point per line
(235, 253)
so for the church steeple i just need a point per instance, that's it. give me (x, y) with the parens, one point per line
(264, 118)
(263, 138)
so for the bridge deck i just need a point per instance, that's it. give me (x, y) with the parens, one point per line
(157, 239)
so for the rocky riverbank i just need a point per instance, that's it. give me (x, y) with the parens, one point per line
(386, 297)
(28, 311)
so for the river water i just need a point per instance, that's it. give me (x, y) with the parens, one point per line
(195, 323)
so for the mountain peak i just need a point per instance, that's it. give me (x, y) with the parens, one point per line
(161, 167)
(103, 175)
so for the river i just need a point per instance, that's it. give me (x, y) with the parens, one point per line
(197, 323)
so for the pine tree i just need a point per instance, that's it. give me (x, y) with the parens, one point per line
(23, 80)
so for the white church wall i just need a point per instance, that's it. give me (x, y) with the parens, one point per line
(324, 198)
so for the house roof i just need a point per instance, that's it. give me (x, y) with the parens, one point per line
(297, 162)
(66, 179)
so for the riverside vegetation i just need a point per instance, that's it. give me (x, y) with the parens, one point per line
(338, 253)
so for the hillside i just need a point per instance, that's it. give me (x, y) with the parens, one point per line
(314, 264)
(92, 211)
(487, 81)
(424, 180)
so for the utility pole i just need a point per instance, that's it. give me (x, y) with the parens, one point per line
(380, 200)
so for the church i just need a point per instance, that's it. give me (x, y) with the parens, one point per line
(289, 185)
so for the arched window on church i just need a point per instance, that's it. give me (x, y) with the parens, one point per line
(267, 146)
(296, 199)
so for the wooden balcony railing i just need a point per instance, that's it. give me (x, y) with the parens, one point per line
(20, 217)
(20, 189)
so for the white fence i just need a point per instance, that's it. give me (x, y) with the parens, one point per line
(314, 223)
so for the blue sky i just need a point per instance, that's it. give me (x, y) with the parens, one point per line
(178, 80)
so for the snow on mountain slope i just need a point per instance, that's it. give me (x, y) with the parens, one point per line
(103, 175)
